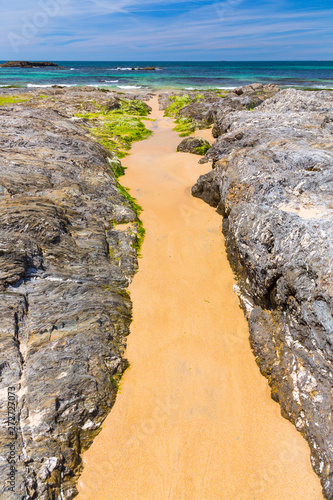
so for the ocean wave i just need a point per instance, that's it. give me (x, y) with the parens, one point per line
(125, 69)
(46, 85)
(326, 87)
(110, 81)
(128, 87)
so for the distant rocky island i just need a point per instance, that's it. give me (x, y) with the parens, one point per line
(27, 64)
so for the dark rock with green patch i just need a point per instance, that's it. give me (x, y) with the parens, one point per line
(114, 103)
(65, 264)
(195, 145)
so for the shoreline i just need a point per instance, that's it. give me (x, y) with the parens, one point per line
(164, 179)
(181, 75)
(154, 89)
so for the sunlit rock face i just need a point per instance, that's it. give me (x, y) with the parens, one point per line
(64, 313)
(273, 182)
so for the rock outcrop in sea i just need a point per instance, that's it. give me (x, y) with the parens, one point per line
(272, 182)
(28, 64)
(65, 264)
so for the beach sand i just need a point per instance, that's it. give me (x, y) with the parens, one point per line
(194, 418)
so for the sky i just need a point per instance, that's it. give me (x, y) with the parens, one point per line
(160, 30)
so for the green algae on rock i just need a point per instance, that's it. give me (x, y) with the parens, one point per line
(5, 101)
(190, 110)
(195, 145)
(66, 262)
(117, 128)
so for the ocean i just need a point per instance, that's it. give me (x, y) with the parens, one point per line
(179, 75)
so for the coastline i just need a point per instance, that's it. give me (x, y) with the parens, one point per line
(182, 75)
(66, 109)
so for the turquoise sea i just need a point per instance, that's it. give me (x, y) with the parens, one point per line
(180, 75)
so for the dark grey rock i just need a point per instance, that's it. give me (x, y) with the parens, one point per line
(207, 189)
(195, 145)
(274, 174)
(65, 263)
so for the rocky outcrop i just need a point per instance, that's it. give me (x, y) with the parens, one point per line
(248, 97)
(273, 170)
(195, 145)
(114, 103)
(65, 263)
(208, 107)
(27, 64)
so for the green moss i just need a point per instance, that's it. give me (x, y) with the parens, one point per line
(90, 116)
(4, 101)
(311, 89)
(137, 209)
(201, 150)
(140, 237)
(185, 126)
(133, 107)
(116, 165)
(119, 128)
(178, 102)
(116, 378)
(126, 129)
(125, 192)
(12, 87)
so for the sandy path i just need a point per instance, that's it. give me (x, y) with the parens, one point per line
(194, 418)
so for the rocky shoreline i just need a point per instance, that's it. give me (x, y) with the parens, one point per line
(69, 241)
(272, 182)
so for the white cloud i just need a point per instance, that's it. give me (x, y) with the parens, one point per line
(103, 29)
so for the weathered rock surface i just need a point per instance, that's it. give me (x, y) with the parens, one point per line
(27, 64)
(202, 110)
(274, 174)
(195, 145)
(65, 263)
(248, 97)
(210, 107)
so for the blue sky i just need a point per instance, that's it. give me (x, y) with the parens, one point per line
(142, 30)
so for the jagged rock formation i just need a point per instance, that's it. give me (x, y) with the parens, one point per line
(209, 107)
(272, 181)
(64, 313)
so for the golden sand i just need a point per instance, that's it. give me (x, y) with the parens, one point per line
(194, 419)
